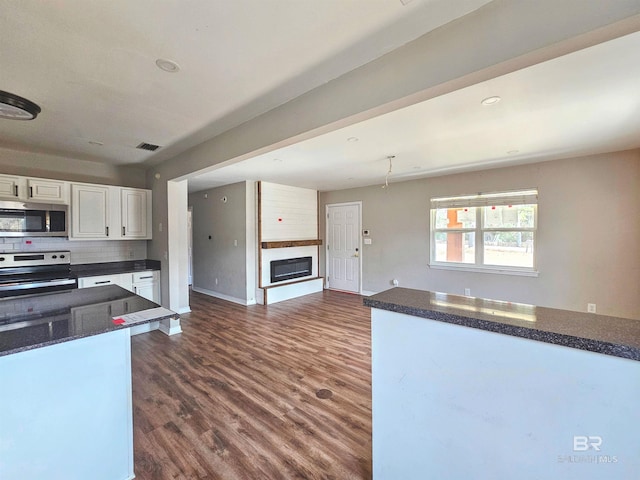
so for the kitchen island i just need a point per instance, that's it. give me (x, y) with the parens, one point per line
(472, 388)
(65, 377)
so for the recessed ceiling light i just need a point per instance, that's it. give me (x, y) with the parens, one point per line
(167, 65)
(95, 142)
(352, 139)
(491, 100)
(13, 107)
(511, 152)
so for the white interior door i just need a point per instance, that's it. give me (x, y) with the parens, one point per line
(343, 247)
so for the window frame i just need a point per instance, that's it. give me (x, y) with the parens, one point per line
(481, 201)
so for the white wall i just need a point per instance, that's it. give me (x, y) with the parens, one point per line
(587, 239)
(287, 213)
(223, 257)
(16, 162)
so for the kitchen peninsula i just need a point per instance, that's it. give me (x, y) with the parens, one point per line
(471, 388)
(65, 372)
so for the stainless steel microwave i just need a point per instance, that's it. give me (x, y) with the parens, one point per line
(24, 219)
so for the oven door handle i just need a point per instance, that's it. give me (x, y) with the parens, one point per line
(38, 284)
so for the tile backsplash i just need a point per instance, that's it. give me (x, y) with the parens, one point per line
(94, 251)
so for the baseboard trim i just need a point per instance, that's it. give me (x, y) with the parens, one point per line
(184, 310)
(368, 293)
(222, 296)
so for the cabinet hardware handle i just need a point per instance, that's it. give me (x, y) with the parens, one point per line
(30, 192)
(106, 231)
(123, 231)
(149, 276)
(15, 188)
(103, 281)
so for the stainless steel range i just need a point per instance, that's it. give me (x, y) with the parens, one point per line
(35, 272)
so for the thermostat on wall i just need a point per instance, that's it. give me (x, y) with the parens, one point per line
(365, 233)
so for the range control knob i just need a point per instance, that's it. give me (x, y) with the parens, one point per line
(1, 259)
(61, 256)
(54, 256)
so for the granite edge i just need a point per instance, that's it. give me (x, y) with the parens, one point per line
(591, 345)
(84, 335)
(81, 270)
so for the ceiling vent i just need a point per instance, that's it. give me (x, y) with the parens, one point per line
(148, 146)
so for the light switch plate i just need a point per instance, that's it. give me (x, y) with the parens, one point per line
(367, 241)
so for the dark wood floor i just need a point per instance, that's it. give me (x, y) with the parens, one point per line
(235, 395)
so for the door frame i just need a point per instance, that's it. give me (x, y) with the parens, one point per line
(326, 233)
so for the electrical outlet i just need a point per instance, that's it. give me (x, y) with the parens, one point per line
(216, 281)
(591, 307)
(395, 282)
(467, 292)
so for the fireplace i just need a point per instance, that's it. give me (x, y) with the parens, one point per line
(289, 268)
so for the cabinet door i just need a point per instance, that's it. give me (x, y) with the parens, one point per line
(49, 191)
(90, 212)
(9, 186)
(134, 209)
(146, 290)
(147, 285)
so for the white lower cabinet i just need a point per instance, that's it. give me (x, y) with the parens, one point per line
(145, 284)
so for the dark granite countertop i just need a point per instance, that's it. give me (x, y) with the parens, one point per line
(614, 336)
(34, 321)
(112, 268)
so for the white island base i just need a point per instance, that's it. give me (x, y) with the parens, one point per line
(452, 402)
(66, 410)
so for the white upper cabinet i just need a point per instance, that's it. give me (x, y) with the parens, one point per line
(47, 191)
(9, 187)
(34, 189)
(134, 208)
(90, 207)
(112, 213)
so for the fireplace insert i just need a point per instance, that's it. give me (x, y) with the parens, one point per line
(289, 268)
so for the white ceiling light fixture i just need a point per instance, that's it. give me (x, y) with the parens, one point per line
(14, 107)
(491, 100)
(386, 178)
(167, 65)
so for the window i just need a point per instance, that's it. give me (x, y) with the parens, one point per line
(486, 232)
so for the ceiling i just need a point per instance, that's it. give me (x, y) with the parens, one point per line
(583, 103)
(91, 65)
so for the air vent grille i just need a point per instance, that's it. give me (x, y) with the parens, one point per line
(148, 146)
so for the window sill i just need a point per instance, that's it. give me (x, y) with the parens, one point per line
(493, 270)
